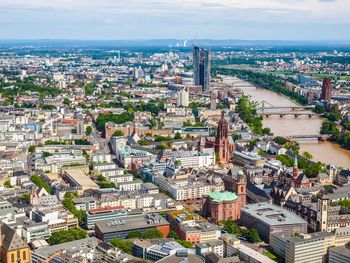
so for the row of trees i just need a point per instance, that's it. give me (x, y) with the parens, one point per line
(69, 205)
(267, 81)
(39, 182)
(24, 86)
(247, 112)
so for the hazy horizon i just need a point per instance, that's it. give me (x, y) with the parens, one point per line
(280, 20)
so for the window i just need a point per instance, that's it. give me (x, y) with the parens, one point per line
(12, 257)
(24, 255)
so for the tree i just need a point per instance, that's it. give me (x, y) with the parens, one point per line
(152, 233)
(144, 142)
(308, 155)
(172, 234)
(134, 234)
(267, 131)
(250, 234)
(24, 197)
(31, 149)
(177, 136)
(185, 243)
(89, 88)
(118, 133)
(280, 140)
(67, 236)
(69, 205)
(7, 184)
(236, 136)
(314, 169)
(293, 146)
(102, 119)
(88, 131)
(285, 160)
(123, 245)
(39, 182)
(81, 142)
(66, 101)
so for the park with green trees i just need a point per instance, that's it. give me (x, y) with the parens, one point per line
(64, 236)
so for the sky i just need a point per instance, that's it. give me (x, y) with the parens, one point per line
(180, 19)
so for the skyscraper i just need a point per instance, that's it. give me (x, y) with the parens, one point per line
(326, 89)
(182, 98)
(201, 67)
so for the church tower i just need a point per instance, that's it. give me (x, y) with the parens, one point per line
(221, 142)
(295, 168)
(33, 197)
(241, 189)
(322, 213)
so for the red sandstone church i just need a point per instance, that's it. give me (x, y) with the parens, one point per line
(223, 144)
(226, 205)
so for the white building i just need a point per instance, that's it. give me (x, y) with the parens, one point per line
(182, 98)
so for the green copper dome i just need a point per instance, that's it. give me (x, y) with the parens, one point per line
(223, 196)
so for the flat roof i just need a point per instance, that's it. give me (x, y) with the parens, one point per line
(46, 251)
(340, 250)
(130, 223)
(179, 259)
(82, 179)
(253, 254)
(272, 214)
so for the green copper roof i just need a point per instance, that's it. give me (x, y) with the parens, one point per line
(223, 196)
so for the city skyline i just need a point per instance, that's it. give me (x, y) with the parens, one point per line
(195, 19)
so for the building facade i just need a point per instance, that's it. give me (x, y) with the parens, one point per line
(201, 67)
(327, 89)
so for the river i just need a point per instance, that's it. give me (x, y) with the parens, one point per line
(325, 152)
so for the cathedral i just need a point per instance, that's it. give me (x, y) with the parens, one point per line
(222, 143)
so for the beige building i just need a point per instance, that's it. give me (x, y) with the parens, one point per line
(308, 248)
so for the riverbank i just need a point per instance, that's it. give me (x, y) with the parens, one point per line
(290, 126)
(266, 81)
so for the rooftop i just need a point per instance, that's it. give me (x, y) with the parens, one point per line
(131, 223)
(272, 214)
(223, 196)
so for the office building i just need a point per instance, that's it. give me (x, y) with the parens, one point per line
(303, 248)
(182, 98)
(327, 89)
(120, 228)
(192, 227)
(201, 67)
(155, 249)
(99, 214)
(339, 255)
(267, 219)
(216, 246)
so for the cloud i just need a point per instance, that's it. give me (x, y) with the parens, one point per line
(166, 17)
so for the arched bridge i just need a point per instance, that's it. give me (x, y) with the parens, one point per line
(282, 114)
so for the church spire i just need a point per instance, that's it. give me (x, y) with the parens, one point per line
(295, 167)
